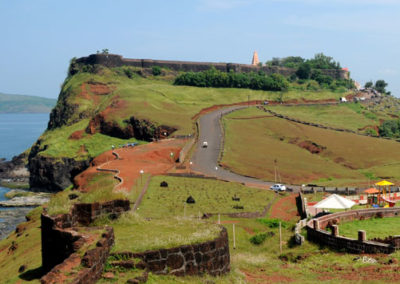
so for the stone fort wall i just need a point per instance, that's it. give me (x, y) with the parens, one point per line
(114, 60)
(316, 231)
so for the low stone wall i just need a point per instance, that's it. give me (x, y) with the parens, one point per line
(316, 231)
(92, 263)
(210, 257)
(61, 240)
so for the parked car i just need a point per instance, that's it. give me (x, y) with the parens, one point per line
(278, 187)
(205, 144)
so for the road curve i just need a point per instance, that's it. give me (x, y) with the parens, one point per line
(205, 160)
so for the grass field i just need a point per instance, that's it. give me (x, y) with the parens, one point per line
(154, 99)
(351, 116)
(375, 227)
(135, 233)
(346, 159)
(211, 196)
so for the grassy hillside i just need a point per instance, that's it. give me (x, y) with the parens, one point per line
(343, 158)
(26, 104)
(346, 116)
(118, 97)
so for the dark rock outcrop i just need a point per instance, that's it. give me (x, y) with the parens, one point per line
(14, 169)
(141, 129)
(51, 174)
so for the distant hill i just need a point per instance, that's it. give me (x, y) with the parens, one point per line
(25, 104)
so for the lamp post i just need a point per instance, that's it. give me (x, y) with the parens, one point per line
(141, 177)
(190, 167)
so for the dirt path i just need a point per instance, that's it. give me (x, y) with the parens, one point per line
(153, 158)
(285, 209)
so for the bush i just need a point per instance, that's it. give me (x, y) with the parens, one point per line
(156, 70)
(273, 223)
(219, 79)
(258, 239)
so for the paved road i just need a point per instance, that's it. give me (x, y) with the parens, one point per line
(205, 159)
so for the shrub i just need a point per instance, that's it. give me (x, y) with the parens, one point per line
(258, 239)
(219, 79)
(273, 223)
(156, 70)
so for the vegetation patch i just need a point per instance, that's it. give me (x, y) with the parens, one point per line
(375, 227)
(345, 157)
(210, 196)
(133, 233)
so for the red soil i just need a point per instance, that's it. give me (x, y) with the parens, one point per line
(77, 135)
(153, 158)
(285, 208)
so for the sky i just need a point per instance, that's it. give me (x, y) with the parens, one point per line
(38, 38)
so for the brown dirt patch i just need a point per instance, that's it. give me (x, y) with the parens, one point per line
(311, 147)
(100, 88)
(285, 208)
(77, 135)
(153, 158)
(260, 277)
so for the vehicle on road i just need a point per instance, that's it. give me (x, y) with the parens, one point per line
(278, 187)
(205, 144)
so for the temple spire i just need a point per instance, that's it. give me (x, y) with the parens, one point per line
(255, 60)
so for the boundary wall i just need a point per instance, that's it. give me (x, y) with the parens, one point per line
(115, 60)
(316, 231)
(210, 257)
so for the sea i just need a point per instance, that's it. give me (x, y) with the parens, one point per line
(18, 131)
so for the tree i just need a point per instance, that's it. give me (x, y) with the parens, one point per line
(304, 71)
(369, 84)
(321, 61)
(104, 51)
(380, 86)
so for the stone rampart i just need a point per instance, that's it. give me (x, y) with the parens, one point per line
(316, 231)
(114, 60)
(210, 257)
(61, 240)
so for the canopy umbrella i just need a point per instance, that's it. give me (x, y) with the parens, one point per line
(384, 183)
(371, 190)
(335, 202)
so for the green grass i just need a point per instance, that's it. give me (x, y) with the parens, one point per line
(101, 184)
(153, 99)
(375, 227)
(352, 116)
(27, 252)
(343, 161)
(135, 233)
(56, 143)
(211, 196)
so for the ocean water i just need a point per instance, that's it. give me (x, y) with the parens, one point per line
(18, 131)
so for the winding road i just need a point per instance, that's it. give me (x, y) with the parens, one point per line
(205, 160)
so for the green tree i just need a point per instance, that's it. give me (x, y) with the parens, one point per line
(369, 84)
(304, 71)
(380, 86)
(321, 61)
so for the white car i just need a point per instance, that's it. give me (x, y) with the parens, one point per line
(278, 187)
(205, 144)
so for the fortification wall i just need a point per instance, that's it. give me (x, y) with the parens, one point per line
(61, 240)
(115, 60)
(316, 231)
(210, 257)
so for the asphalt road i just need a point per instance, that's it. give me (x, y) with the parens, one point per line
(205, 160)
